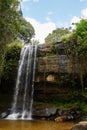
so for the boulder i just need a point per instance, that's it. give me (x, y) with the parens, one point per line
(80, 126)
(64, 118)
(3, 115)
(45, 113)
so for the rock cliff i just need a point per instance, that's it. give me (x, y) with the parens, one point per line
(54, 80)
(53, 74)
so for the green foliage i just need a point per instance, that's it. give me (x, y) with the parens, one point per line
(12, 57)
(76, 49)
(9, 20)
(9, 25)
(2, 55)
(70, 45)
(81, 36)
(81, 29)
(82, 51)
(54, 49)
(26, 31)
(76, 43)
(12, 26)
(13, 49)
(35, 42)
(56, 35)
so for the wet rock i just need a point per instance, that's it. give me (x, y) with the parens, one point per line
(4, 115)
(80, 126)
(63, 118)
(68, 115)
(58, 115)
(50, 78)
(45, 113)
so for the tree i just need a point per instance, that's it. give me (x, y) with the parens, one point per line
(56, 35)
(76, 48)
(9, 25)
(9, 20)
(12, 26)
(34, 42)
(81, 33)
(26, 31)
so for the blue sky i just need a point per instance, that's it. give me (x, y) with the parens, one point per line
(47, 15)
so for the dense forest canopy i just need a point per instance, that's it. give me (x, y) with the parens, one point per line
(76, 49)
(12, 26)
(56, 35)
(77, 40)
(9, 20)
(26, 31)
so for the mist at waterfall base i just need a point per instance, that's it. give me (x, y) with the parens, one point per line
(23, 95)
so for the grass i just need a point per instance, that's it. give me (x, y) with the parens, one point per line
(66, 105)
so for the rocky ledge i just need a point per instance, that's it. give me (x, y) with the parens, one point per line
(58, 115)
(80, 126)
(52, 113)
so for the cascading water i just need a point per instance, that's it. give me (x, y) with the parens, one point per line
(23, 96)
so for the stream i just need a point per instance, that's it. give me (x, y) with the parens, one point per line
(34, 125)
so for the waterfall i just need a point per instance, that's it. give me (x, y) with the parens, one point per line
(23, 95)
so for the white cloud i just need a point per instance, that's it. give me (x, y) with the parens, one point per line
(48, 19)
(75, 19)
(84, 13)
(35, 0)
(25, 0)
(42, 29)
(61, 24)
(81, 0)
(30, 0)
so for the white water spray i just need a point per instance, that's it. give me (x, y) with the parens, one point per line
(23, 96)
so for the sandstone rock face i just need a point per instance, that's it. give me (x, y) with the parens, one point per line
(53, 73)
(50, 60)
(80, 126)
(50, 78)
(53, 80)
(56, 114)
(54, 64)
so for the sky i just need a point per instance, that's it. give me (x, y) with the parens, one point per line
(47, 15)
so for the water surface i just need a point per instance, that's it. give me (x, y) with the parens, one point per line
(34, 125)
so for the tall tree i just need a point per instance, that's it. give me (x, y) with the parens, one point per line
(12, 26)
(26, 31)
(76, 48)
(9, 25)
(56, 35)
(9, 20)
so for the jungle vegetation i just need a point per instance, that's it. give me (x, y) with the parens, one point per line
(75, 44)
(12, 27)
